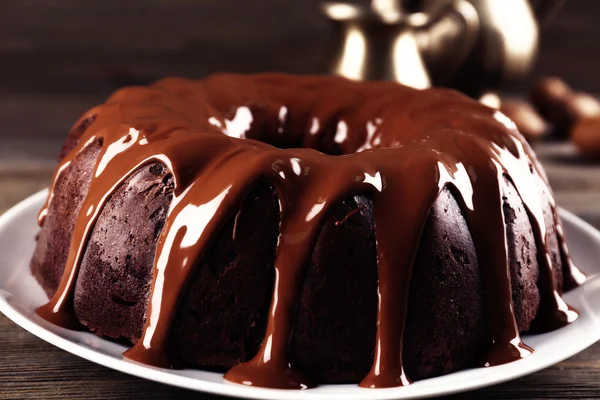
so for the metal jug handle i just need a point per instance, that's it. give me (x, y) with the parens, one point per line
(448, 41)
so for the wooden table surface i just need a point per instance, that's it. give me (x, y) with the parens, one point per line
(57, 59)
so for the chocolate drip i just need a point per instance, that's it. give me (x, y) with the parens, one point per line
(399, 146)
(489, 236)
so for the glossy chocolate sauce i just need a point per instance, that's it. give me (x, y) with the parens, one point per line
(398, 145)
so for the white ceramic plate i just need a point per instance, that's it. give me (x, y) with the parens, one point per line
(20, 295)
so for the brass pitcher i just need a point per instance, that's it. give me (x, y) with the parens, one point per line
(471, 45)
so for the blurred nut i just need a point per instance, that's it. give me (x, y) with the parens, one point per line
(586, 136)
(560, 106)
(548, 95)
(579, 106)
(531, 125)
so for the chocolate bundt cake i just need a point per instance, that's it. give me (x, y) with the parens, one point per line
(302, 230)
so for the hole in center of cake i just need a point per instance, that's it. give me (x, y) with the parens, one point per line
(283, 129)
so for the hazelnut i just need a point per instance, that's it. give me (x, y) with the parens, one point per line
(586, 136)
(548, 95)
(560, 106)
(531, 125)
(580, 106)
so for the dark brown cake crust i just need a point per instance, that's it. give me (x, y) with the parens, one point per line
(54, 240)
(221, 319)
(336, 321)
(113, 284)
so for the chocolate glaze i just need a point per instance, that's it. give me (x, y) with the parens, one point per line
(399, 146)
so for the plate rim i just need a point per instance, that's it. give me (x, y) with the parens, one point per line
(240, 391)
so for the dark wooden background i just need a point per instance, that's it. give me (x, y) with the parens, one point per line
(59, 57)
